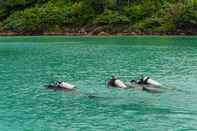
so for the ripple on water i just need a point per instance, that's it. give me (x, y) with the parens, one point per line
(28, 63)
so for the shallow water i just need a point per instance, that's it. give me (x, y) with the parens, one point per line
(28, 63)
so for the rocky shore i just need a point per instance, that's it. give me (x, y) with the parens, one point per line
(94, 31)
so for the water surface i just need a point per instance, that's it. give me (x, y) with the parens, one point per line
(28, 63)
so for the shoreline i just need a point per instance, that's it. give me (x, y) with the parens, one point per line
(102, 33)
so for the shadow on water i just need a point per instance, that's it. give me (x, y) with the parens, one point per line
(140, 107)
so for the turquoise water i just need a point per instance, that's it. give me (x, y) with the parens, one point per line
(28, 63)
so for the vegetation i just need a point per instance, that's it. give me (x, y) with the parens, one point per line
(118, 15)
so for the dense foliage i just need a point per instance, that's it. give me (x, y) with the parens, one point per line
(135, 15)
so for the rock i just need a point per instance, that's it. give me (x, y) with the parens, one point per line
(103, 33)
(83, 30)
(97, 30)
(133, 33)
(67, 30)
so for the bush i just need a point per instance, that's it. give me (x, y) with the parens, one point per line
(140, 11)
(79, 14)
(50, 17)
(1, 26)
(35, 19)
(135, 13)
(112, 17)
(2, 12)
(55, 15)
(19, 3)
(178, 16)
(149, 24)
(10, 6)
(187, 20)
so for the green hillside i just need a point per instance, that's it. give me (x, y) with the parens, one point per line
(84, 16)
